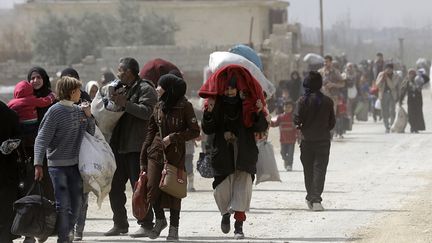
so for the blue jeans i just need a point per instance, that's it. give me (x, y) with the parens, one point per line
(287, 152)
(68, 190)
(82, 216)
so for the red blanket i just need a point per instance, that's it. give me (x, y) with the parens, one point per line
(218, 83)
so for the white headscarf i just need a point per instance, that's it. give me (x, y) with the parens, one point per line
(90, 84)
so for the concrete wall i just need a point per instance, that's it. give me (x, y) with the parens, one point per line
(201, 23)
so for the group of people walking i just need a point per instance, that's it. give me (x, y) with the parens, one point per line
(159, 120)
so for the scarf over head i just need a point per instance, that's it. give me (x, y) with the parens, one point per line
(46, 86)
(70, 72)
(155, 68)
(175, 89)
(245, 82)
(312, 85)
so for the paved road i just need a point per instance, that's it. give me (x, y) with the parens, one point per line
(371, 175)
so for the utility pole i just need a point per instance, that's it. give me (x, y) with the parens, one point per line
(401, 50)
(322, 28)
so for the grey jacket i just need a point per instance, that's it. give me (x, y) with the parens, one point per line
(130, 132)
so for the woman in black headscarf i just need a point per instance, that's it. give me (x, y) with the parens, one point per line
(39, 79)
(8, 174)
(176, 117)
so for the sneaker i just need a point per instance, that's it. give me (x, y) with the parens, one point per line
(160, 224)
(172, 234)
(141, 232)
(116, 231)
(317, 207)
(309, 204)
(78, 236)
(225, 223)
(288, 167)
(238, 230)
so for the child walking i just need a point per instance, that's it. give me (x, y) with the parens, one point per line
(288, 133)
(60, 135)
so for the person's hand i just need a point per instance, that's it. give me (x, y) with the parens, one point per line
(210, 104)
(119, 99)
(259, 105)
(85, 106)
(38, 173)
(166, 141)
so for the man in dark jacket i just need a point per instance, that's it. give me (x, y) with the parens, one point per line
(315, 117)
(128, 136)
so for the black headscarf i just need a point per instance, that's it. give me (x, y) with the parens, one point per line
(46, 87)
(312, 85)
(175, 89)
(70, 72)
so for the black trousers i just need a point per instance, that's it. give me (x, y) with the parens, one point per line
(314, 157)
(128, 168)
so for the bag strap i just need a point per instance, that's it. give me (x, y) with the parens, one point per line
(36, 182)
(159, 124)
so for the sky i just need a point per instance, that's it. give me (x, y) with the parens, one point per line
(362, 13)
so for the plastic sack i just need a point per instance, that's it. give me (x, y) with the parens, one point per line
(401, 121)
(105, 118)
(377, 104)
(313, 59)
(97, 164)
(220, 59)
(361, 111)
(266, 165)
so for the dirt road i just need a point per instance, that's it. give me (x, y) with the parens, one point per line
(377, 190)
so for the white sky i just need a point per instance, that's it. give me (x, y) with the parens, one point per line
(363, 13)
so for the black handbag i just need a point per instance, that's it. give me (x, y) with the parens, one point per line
(204, 166)
(35, 216)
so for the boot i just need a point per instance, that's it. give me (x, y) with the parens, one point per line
(160, 224)
(238, 230)
(225, 223)
(190, 183)
(173, 234)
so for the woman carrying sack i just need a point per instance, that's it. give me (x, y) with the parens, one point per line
(172, 124)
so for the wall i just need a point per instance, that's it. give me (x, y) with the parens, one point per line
(201, 23)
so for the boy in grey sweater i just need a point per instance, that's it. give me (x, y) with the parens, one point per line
(60, 135)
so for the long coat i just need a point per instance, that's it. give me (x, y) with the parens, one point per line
(223, 161)
(180, 124)
(415, 104)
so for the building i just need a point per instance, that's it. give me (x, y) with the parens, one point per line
(209, 23)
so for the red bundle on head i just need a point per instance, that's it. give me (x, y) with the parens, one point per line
(246, 83)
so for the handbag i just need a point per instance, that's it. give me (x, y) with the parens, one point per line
(140, 205)
(204, 166)
(173, 180)
(35, 216)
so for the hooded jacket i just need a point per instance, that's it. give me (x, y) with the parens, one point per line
(25, 103)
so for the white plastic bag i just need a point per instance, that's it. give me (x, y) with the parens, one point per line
(220, 59)
(313, 59)
(401, 121)
(97, 164)
(377, 104)
(266, 165)
(106, 119)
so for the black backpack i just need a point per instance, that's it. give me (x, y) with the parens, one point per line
(35, 216)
